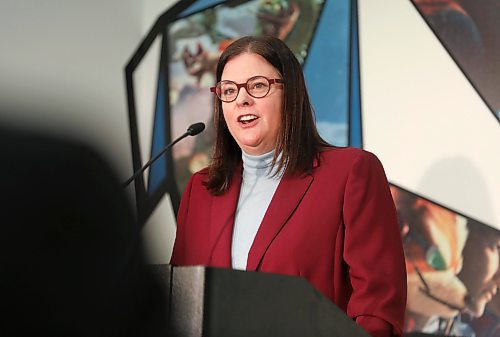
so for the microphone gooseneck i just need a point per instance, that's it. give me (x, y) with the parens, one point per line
(192, 130)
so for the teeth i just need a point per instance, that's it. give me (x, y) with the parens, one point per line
(247, 118)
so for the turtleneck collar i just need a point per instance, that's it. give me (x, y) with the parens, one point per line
(257, 166)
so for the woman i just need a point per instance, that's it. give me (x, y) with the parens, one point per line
(277, 198)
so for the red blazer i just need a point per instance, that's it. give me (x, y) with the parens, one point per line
(336, 226)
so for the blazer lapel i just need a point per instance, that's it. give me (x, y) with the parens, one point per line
(285, 200)
(222, 223)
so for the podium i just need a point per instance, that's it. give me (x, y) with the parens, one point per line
(214, 302)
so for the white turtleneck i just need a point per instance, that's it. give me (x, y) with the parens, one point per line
(257, 189)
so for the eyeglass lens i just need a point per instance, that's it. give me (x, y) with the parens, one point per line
(257, 87)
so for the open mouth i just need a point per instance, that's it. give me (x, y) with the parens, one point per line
(245, 119)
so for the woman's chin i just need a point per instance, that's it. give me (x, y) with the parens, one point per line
(254, 148)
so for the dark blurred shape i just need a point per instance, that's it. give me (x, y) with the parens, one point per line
(71, 261)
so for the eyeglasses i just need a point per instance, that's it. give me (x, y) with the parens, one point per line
(257, 86)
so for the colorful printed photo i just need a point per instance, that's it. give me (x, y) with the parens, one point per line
(452, 267)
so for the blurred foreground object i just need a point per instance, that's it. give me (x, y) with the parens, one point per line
(71, 261)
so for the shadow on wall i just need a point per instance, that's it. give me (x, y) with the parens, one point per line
(446, 175)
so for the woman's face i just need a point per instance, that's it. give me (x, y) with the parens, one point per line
(254, 123)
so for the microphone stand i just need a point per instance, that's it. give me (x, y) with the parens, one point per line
(193, 130)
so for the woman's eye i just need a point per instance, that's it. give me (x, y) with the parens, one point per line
(258, 85)
(228, 91)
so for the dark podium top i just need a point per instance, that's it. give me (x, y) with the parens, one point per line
(214, 302)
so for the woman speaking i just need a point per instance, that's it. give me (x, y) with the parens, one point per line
(277, 198)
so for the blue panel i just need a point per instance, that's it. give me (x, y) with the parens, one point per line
(327, 72)
(355, 120)
(158, 171)
(199, 5)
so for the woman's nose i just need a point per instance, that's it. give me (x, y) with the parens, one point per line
(244, 97)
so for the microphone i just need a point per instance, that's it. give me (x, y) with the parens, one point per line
(192, 130)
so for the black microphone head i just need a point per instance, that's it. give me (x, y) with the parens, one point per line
(195, 128)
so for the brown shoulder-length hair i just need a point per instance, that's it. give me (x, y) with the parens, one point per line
(298, 140)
